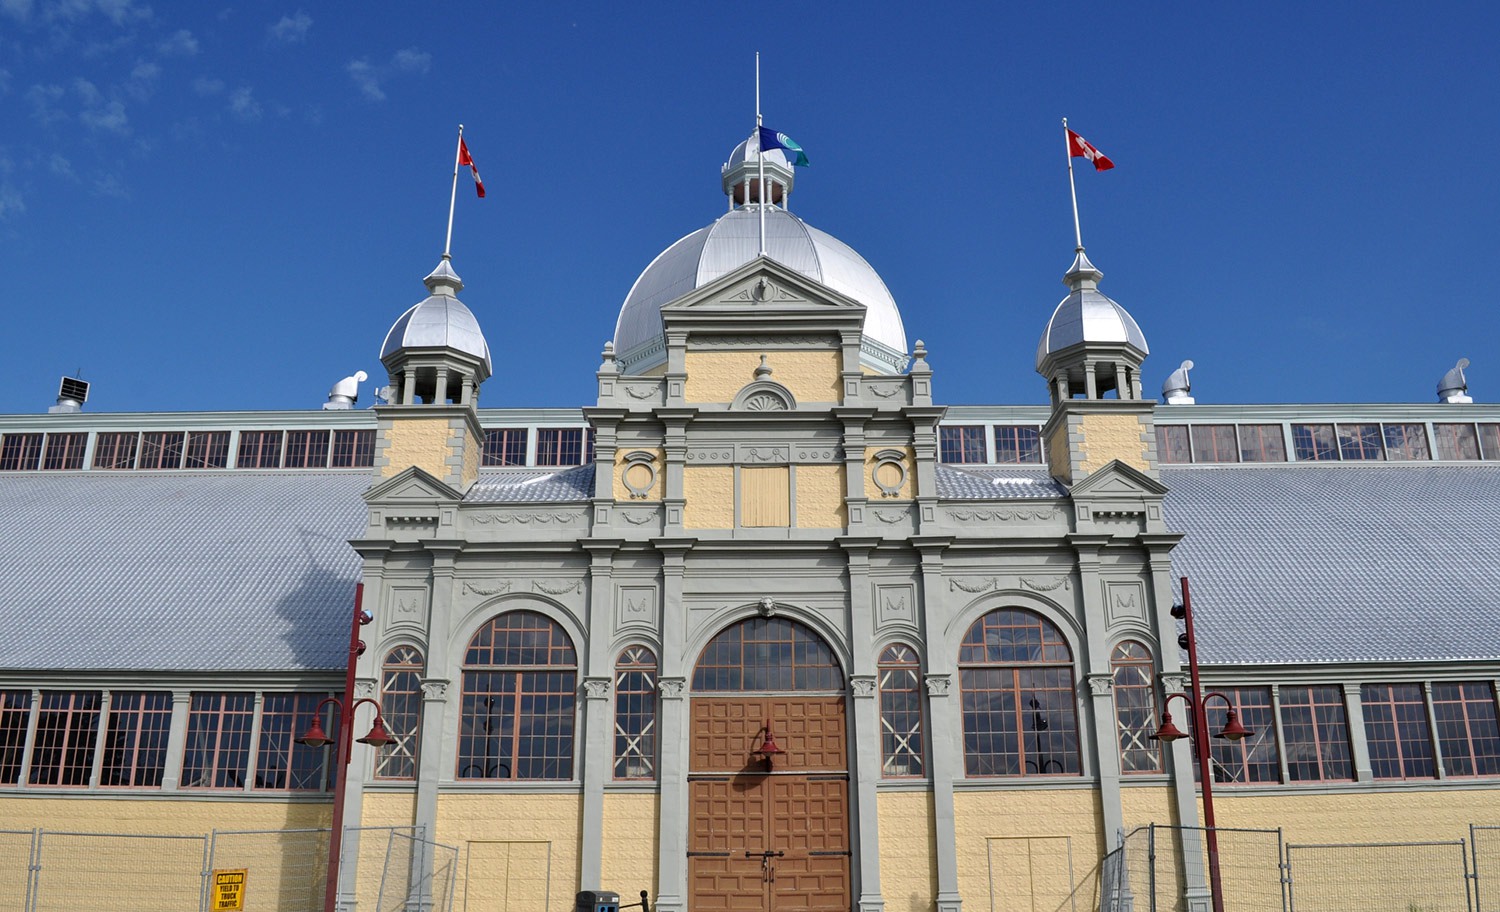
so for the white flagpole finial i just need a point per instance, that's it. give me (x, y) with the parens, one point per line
(1072, 188)
(760, 191)
(453, 194)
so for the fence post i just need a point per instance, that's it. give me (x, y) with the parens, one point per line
(1283, 870)
(1467, 876)
(1474, 851)
(205, 889)
(1151, 863)
(1291, 896)
(33, 868)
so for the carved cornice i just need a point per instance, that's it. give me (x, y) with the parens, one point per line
(435, 689)
(989, 514)
(672, 688)
(938, 685)
(539, 517)
(862, 685)
(497, 589)
(970, 585)
(1101, 684)
(557, 587)
(1045, 584)
(597, 688)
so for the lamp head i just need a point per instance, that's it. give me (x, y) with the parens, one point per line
(315, 736)
(1168, 732)
(1233, 730)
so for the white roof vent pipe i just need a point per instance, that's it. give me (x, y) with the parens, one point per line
(72, 393)
(1177, 390)
(1454, 387)
(346, 392)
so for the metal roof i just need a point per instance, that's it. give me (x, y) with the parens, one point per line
(533, 485)
(975, 482)
(177, 571)
(1340, 563)
(1087, 315)
(734, 240)
(439, 321)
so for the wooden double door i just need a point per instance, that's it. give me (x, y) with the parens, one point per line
(769, 837)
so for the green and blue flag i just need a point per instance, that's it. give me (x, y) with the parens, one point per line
(770, 139)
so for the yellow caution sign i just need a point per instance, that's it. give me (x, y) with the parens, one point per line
(229, 890)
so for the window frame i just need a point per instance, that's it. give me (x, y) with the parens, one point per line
(903, 712)
(401, 706)
(1227, 755)
(140, 745)
(636, 711)
(1012, 435)
(66, 740)
(1139, 737)
(1323, 717)
(548, 677)
(1403, 758)
(958, 444)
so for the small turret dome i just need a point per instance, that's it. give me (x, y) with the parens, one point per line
(440, 321)
(1087, 316)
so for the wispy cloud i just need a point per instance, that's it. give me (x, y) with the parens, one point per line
(43, 100)
(60, 166)
(242, 104)
(180, 43)
(142, 82)
(16, 9)
(291, 29)
(204, 86)
(369, 77)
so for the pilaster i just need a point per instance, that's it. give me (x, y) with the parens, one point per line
(946, 725)
(671, 877)
(866, 725)
(597, 687)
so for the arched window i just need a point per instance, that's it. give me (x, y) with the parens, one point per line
(767, 655)
(520, 689)
(635, 714)
(401, 707)
(1135, 707)
(900, 712)
(1019, 709)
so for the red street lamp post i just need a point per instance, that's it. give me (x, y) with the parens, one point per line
(1232, 730)
(316, 737)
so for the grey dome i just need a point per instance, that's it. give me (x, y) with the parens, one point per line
(1087, 315)
(439, 321)
(731, 242)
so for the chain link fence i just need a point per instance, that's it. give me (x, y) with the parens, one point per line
(1484, 845)
(285, 870)
(1379, 877)
(1156, 868)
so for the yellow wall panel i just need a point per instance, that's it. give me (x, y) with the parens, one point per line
(908, 851)
(1109, 437)
(1058, 458)
(1423, 816)
(709, 495)
(811, 376)
(519, 853)
(420, 442)
(765, 496)
(1014, 846)
(820, 497)
(630, 839)
(1141, 805)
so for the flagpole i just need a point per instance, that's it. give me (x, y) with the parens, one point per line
(761, 157)
(1073, 189)
(453, 195)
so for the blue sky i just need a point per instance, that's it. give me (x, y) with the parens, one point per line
(225, 206)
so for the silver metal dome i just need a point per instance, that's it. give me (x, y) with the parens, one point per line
(731, 242)
(1086, 315)
(439, 321)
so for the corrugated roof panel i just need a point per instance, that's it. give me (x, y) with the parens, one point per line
(237, 571)
(1340, 563)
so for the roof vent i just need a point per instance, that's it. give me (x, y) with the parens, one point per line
(346, 392)
(1454, 387)
(1177, 390)
(72, 393)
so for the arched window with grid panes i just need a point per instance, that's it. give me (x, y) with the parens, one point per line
(519, 699)
(901, 729)
(635, 714)
(401, 707)
(1019, 706)
(1135, 707)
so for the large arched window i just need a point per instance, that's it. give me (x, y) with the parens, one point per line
(1019, 709)
(767, 655)
(1135, 707)
(900, 712)
(635, 714)
(401, 707)
(520, 689)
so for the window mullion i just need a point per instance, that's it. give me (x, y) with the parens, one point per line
(101, 725)
(1281, 760)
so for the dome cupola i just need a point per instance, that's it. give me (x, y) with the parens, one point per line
(1092, 345)
(435, 351)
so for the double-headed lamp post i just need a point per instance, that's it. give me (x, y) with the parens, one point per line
(316, 737)
(1232, 730)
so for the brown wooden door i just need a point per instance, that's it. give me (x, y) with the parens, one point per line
(769, 840)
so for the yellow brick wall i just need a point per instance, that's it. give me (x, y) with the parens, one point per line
(1376, 816)
(1013, 848)
(473, 451)
(812, 376)
(519, 853)
(709, 495)
(1142, 805)
(1108, 437)
(658, 488)
(908, 488)
(147, 875)
(820, 497)
(421, 442)
(630, 839)
(908, 851)
(1058, 456)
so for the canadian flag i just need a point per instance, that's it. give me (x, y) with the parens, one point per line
(465, 159)
(1078, 147)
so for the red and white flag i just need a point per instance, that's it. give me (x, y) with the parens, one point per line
(1078, 147)
(465, 159)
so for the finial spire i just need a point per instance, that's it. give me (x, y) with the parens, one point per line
(760, 192)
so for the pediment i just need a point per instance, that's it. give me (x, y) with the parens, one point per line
(1119, 480)
(411, 486)
(759, 285)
